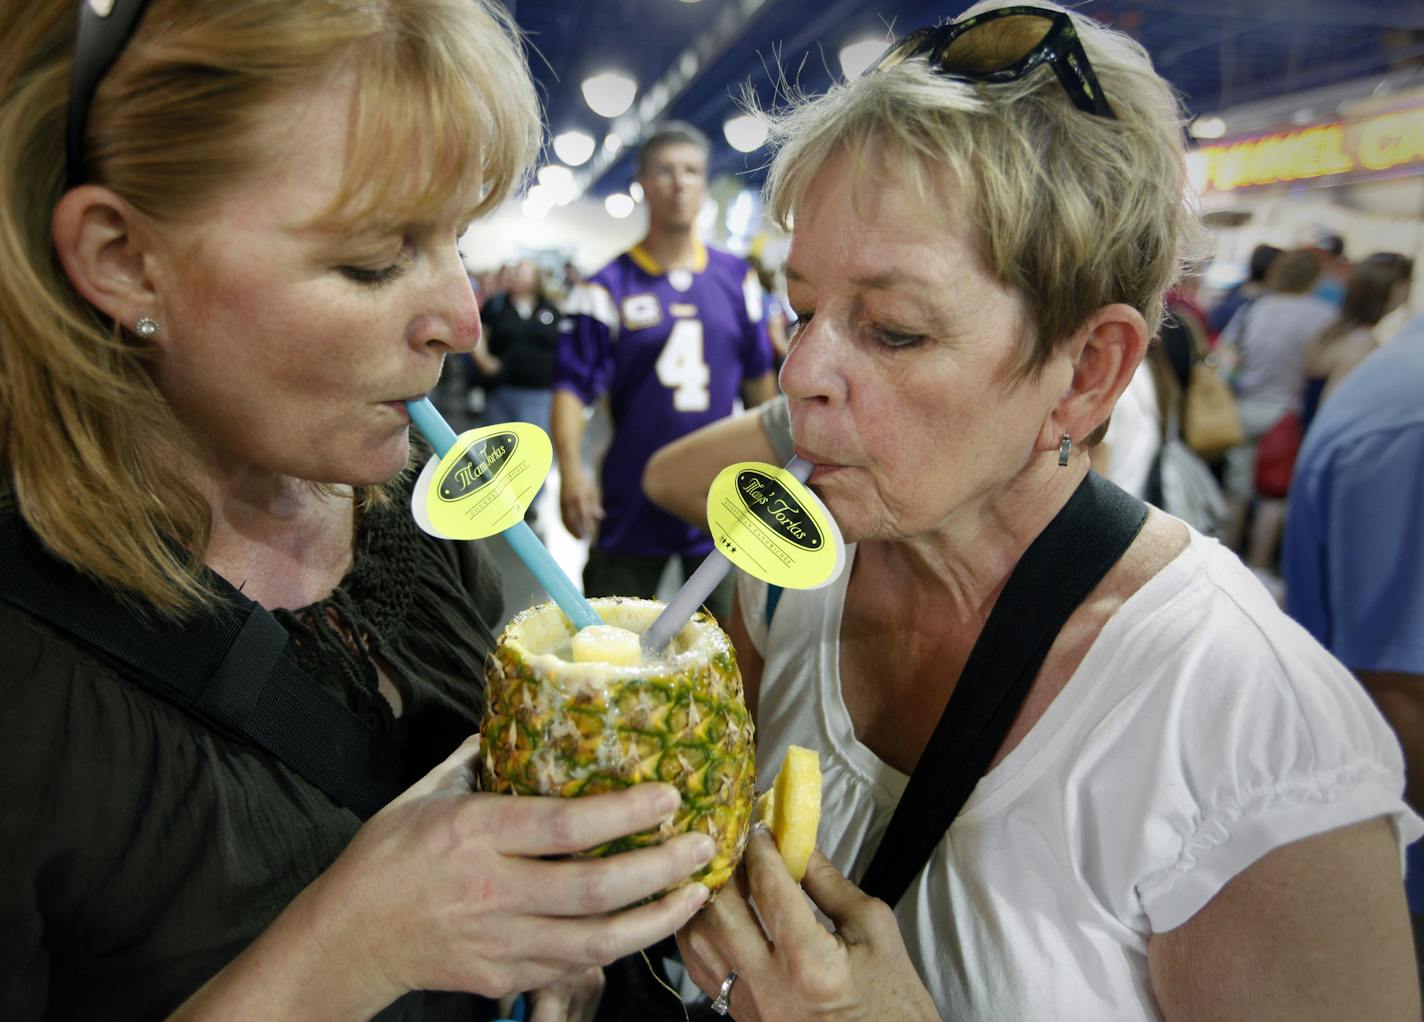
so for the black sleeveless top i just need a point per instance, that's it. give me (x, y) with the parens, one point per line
(141, 850)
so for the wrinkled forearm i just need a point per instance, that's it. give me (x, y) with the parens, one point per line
(566, 424)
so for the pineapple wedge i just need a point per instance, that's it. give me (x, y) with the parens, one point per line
(792, 808)
(607, 644)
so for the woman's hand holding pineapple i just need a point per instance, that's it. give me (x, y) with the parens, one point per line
(447, 889)
(795, 969)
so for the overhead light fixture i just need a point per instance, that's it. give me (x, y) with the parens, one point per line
(553, 176)
(609, 94)
(746, 133)
(857, 57)
(636, 191)
(557, 182)
(573, 147)
(612, 144)
(619, 205)
(1207, 127)
(536, 203)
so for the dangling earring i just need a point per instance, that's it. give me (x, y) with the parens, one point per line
(146, 328)
(1065, 445)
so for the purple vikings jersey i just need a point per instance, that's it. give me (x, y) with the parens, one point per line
(671, 350)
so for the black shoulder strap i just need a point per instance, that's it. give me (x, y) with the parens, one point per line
(1055, 574)
(234, 670)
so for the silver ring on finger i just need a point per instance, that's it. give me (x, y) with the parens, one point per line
(720, 1005)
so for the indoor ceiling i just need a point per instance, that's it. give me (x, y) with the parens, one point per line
(1218, 53)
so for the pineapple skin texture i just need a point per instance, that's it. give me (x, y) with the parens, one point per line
(689, 728)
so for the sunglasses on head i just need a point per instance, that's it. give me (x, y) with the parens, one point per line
(105, 27)
(1003, 45)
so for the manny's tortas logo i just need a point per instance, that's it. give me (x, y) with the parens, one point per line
(481, 464)
(768, 500)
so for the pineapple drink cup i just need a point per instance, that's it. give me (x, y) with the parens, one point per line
(555, 726)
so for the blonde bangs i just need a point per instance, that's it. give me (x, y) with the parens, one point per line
(460, 109)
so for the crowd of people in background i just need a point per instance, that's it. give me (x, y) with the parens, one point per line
(1284, 339)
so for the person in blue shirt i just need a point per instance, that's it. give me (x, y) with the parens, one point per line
(1245, 292)
(1354, 566)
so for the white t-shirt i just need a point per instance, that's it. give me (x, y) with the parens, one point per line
(1203, 729)
(1134, 434)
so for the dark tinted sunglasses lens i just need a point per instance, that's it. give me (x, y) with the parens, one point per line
(995, 44)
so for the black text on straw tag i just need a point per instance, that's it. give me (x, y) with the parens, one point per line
(479, 467)
(778, 510)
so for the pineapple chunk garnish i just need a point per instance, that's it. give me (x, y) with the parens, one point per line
(792, 808)
(607, 644)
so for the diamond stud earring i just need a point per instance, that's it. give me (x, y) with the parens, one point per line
(146, 328)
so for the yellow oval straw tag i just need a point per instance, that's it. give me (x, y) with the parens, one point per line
(487, 480)
(770, 524)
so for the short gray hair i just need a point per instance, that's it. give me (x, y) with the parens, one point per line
(1071, 210)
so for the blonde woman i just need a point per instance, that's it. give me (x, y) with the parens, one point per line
(219, 289)
(1190, 810)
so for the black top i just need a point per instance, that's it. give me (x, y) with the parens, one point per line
(141, 850)
(526, 346)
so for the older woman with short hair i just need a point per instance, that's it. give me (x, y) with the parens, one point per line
(1183, 807)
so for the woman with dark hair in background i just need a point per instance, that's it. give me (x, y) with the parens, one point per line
(1246, 292)
(1376, 287)
(1263, 349)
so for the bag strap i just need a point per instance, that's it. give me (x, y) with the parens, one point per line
(773, 597)
(233, 669)
(1055, 574)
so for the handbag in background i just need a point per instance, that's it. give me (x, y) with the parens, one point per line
(1210, 423)
(1275, 456)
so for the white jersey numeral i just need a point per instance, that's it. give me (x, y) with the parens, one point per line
(682, 367)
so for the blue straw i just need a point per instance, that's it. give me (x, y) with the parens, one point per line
(699, 586)
(521, 538)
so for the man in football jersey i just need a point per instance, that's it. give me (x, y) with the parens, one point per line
(672, 333)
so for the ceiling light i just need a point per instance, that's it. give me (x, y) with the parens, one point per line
(857, 57)
(1207, 127)
(619, 205)
(534, 207)
(746, 133)
(554, 176)
(636, 190)
(573, 147)
(609, 94)
(556, 182)
(612, 143)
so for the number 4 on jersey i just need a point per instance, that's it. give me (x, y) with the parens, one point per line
(682, 367)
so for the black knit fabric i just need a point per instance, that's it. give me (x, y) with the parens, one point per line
(140, 850)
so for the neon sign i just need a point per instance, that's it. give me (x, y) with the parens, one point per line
(1369, 145)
